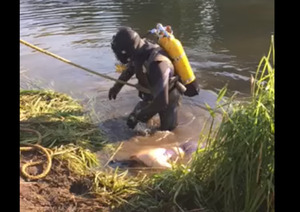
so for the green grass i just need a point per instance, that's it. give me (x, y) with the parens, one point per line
(238, 166)
(59, 119)
(116, 186)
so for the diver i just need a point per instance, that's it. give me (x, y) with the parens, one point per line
(154, 71)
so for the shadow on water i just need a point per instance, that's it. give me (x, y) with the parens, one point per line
(116, 129)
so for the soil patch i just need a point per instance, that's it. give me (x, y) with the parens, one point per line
(61, 190)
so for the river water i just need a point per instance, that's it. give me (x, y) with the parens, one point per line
(224, 41)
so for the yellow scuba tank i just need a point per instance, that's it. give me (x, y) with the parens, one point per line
(180, 61)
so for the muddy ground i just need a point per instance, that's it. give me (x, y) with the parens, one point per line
(60, 191)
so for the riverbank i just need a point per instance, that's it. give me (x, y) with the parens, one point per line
(75, 181)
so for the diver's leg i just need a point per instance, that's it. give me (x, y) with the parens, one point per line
(131, 120)
(168, 117)
(139, 106)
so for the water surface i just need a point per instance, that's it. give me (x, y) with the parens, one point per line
(224, 41)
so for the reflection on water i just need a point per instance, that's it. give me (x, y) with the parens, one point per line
(224, 41)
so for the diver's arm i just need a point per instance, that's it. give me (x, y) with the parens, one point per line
(125, 76)
(159, 85)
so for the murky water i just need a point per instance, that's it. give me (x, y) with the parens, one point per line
(224, 41)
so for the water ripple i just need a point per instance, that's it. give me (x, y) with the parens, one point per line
(217, 36)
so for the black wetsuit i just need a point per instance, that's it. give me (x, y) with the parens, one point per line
(154, 75)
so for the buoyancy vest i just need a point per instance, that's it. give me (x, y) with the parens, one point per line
(142, 67)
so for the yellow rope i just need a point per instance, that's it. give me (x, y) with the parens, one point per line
(137, 86)
(31, 147)
(48, 154)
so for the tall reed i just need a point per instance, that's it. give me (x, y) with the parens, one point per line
(238, 167)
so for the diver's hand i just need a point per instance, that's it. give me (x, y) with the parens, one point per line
(113, 92)
(132, 121)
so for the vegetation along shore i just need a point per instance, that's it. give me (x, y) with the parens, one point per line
(235, 172)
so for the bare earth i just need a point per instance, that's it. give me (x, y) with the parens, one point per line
(59, 191)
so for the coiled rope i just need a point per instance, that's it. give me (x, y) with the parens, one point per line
(137, 86)
(31, 147)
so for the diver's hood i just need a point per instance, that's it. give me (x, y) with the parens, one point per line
(124, 44)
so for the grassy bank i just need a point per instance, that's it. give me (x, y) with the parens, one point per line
(236, 171)
(59, 119)
(60, 126)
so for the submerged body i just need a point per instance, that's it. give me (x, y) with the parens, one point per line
(159, 157)
(163, 157)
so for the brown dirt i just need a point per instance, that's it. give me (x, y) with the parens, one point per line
(60, 191)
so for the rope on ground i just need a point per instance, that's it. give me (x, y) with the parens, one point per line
(25, 166)
(137, 86)
(31, 147)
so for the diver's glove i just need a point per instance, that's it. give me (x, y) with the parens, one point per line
(113, 91)
(132, 121)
